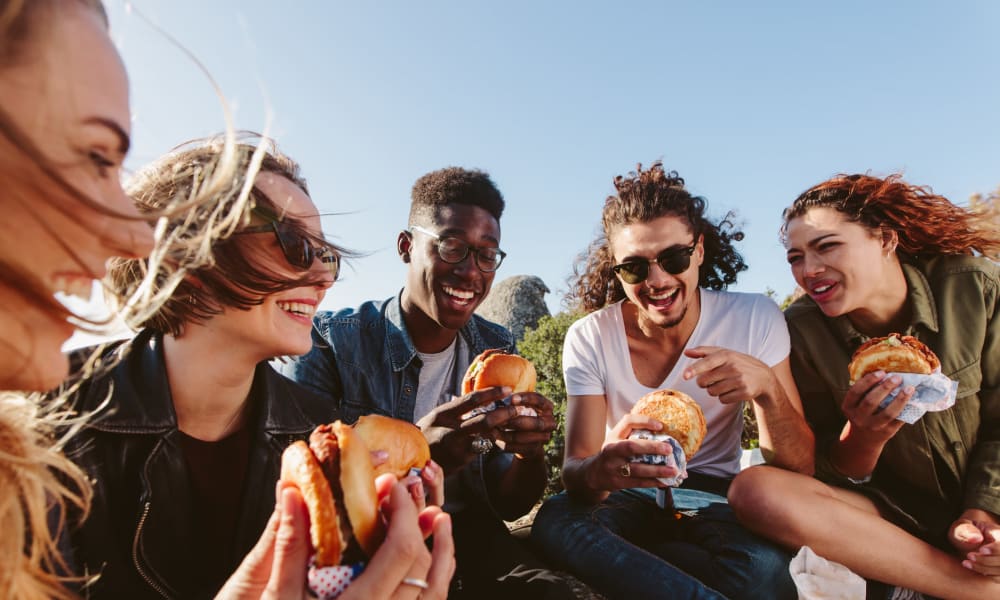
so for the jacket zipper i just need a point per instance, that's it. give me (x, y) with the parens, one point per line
(135, 554)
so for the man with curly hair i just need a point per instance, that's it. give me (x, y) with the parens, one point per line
(406, 356)
(659, 318)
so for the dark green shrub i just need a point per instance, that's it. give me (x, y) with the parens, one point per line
(543, 346)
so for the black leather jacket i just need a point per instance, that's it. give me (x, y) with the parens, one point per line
(138, 530)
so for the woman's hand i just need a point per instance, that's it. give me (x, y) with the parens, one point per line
(976, 534)
(612, 468)
(403, 563)
(427, 488)
(276, 566)
(861, 407)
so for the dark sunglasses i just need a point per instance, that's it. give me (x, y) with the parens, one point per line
(672, 260)
(297, 247)
(453, 251)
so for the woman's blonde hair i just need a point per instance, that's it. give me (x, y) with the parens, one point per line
(38, 484)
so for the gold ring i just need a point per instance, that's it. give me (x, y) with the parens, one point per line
(625, 470)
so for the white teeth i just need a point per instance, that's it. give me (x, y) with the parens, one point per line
(822, 288)
(79, 287)
(298, 308)
(664, 295)
(463, 294)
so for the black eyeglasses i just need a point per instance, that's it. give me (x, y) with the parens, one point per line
(453, 251)
(297, 246)
(672, 260)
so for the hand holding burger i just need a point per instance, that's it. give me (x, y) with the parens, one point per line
(682, 426)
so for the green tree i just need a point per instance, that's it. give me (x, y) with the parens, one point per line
(543, 347)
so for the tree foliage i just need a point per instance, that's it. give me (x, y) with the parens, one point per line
(543, 347)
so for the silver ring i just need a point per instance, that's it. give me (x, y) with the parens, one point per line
(481, 445)
(416, 582)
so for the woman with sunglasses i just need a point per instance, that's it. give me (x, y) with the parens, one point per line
(185, 462)
(658, 318)
(912, 505)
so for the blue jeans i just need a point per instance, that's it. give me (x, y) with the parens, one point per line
(627, 547)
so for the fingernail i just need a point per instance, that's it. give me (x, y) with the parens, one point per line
(687, 374)
(986, 551)
(967, 564)
(507, 390)
(910, 390)
(880, 374)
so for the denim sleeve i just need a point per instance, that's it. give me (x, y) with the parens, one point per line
(316, 369)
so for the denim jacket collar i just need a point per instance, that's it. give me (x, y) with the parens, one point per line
(401, 348)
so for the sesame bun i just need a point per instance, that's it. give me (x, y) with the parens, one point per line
(495, 368)
(401, 440)
(893, 353)
(681, 417)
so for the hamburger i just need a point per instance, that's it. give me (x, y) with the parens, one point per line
(334, 473)
(894, 353)
(496, 368)
(680, 415)
(402, 441)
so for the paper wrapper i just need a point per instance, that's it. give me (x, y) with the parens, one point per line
(522, 411)
(819, 579)
(934, 392)
(676, 459)
(329, 582)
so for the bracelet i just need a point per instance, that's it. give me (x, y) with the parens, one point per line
(861, 481)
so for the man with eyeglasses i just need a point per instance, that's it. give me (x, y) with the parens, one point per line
(659, 318)
(406, 356)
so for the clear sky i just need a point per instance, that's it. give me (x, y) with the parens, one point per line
(751, 102)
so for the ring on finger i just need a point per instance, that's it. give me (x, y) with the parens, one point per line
(625, 470)
(481, 445)
(416, 582)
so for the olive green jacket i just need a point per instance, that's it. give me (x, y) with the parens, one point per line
(948, 461)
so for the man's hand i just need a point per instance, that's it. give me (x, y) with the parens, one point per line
(524, 435)
(728, 375)
(976, 534)
(450, 436)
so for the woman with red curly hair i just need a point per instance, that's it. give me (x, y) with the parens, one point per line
(916, 506)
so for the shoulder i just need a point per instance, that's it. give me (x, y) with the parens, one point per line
(367, 315)
(740, 303)
(977, 268)
(592, 323)
(493, 335)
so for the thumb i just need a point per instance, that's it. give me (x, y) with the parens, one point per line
(965, 536)
(291, 548)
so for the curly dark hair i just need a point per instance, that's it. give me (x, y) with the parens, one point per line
(926, 223)
(643, 196)
(454, 185)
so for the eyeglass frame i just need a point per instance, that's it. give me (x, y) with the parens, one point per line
(322, 252)
(469, 248)
(683, 251)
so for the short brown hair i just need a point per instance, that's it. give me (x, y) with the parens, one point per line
(232, 278)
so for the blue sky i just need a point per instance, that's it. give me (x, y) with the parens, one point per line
(751, 102)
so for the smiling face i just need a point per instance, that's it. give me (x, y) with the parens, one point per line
(281, 325)
(843, 266)
(68, 94)
(664, 300)
(440, 298)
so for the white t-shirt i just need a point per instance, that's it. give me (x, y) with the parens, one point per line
(596, 361)
(434, 385)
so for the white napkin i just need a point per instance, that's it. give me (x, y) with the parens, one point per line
(676, 459)
(932, 393)
(819, 579)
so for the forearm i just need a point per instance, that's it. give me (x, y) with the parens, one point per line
(520, 486)
(577, 482)
(786, 440)
(855, 454)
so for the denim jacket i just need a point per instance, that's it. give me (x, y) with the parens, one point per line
(365, 361)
